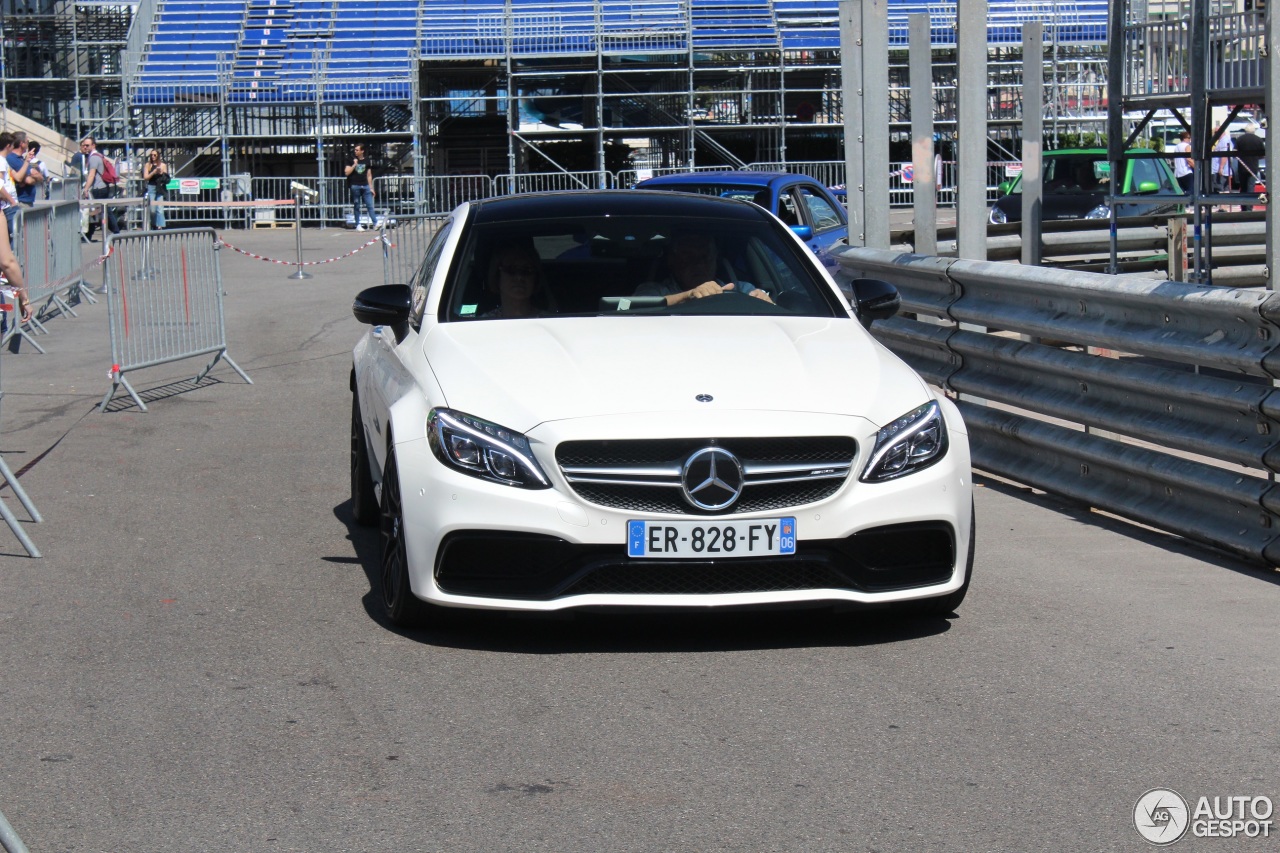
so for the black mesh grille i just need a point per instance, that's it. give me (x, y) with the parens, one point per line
(637, 497)
(708, 579)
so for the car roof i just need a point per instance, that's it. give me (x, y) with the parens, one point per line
(748, 178)
(601, 203)
(1099, 152)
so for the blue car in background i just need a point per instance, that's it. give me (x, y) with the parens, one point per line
(798, 200)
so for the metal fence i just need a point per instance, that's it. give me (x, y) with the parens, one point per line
(1166, 415)
(404, 248)
(47, 245)
(237, 200)
(164, 300)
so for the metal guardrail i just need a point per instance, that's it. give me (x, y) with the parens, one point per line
(1166, 416)
(164, 301)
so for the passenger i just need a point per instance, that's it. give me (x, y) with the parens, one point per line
(514, 276)
(691, 272)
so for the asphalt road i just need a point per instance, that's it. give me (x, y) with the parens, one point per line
(196, 663)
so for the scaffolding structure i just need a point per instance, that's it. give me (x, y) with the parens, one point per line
(1204, 63)
(581, 88)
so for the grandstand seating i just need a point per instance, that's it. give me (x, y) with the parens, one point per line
(360, 50)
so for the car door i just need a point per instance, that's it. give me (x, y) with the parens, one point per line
(385, 377)
(826, 217)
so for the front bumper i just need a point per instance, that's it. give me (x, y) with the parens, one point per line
(536, 567)
(476, 544)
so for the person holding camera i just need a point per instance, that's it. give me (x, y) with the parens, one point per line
(155, 174)
(360, 181)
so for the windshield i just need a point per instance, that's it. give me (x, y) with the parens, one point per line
(1075, 173)
(624, 265)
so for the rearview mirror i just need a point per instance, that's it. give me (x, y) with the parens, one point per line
(874, 299)
(1148, 187)
(804, 232)
(1005, 187)
(384, 305)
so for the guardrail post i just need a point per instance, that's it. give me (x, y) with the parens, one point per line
(1177, 249)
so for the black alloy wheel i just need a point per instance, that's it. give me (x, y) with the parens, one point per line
(364, 503)
(401, 606)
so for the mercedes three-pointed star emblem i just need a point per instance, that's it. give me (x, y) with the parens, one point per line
(712, 479)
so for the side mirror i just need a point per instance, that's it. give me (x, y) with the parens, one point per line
(803, 231)
(874, 299)
(1005, 187)
(384, 305)
(1147, 187)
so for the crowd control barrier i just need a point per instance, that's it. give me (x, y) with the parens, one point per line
(47, 245)
(50, 256)
(9, 478)
(404, 249)
(1166, 416)
(164, 303)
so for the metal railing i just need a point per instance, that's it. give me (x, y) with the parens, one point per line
(164, 301)
(1129, 423)
(47, 245)
(223, 201)
(404, 248)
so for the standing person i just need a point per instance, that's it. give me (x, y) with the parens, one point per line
(155, 174)
(95, 186)
(76, 168)
(22, 170)
(1222, 169)
(40, 167)
(1183, 167)
(360, 179)
(1250, 149)
(8, 191)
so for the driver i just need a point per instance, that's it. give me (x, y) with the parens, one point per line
(691, 272)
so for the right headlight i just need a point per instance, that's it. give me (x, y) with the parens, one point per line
(911, 443)
(1099, 212)
(484, 449)
(998, 216)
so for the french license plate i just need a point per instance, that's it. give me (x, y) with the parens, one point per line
(694, 540)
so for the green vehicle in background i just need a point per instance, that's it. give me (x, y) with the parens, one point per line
(1077, 180)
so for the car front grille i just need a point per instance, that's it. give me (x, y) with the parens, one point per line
(644, 476)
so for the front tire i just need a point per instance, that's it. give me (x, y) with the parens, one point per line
(402, 608)
(364, 504)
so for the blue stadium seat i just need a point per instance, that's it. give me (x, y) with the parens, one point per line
(276, 43)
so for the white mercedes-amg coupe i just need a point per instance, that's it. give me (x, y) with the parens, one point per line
(629, 399)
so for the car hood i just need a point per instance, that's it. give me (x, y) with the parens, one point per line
(521, 373)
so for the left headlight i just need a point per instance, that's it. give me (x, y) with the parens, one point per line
(912, 442)
(483, 449)
(1099, 212)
